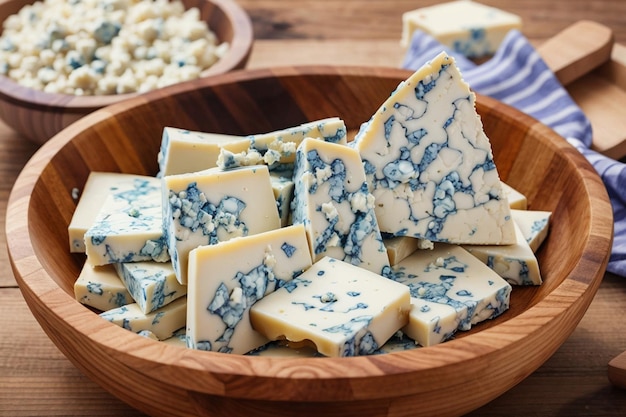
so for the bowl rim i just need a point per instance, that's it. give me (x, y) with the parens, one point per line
(224, 375)
(237, 56)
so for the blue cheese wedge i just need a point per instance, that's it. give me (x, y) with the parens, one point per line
(517, 200)
(344, 310)
(431, 323)
(226, 279)
(151, 284)
(534, 226)
(448, 274)
(96, 189)
(430, 164)
(100, 287)
(283, 187)
(185, 151)
(212, 206)
(467, 27)
(163, 323)
(129, 226)
(277, 149)
(332, 200)
(515, 263)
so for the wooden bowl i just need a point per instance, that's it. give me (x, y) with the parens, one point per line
(39, 116)
(448, 379)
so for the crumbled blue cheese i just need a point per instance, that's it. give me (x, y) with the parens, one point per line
(467, 27)
(100, 287)
(212, 206)
(227, 278)
(430, 165)
(184, 151)
(277, 149)
(129, 226)
(450, 275)
(162, 322)
(365, 311)
(332, 200)
(151, 284)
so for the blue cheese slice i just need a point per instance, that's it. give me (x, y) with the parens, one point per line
(344, 310)
(431, 323)
(212, 206)
(227, 278)
(163, 323)
(517, 200)
(100, 287)
(515, 263)
(332, 200)
(185, 151)
(430, 164)
(448, 274)
(96, 189)
(467, 27)
(534, 226)
(129, 226)
(277, 149)
(151, 284)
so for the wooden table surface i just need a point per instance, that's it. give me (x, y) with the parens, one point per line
(37, 380)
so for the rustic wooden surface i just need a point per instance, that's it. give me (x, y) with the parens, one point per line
(37, 380)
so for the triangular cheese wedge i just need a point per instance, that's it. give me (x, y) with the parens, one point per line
(430, 165)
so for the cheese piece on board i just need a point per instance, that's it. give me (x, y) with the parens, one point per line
(185, 151)
(432, 323)
(211, 206)
(96, 189)
(430, 164)
(332, 200)
(399, 247)
(227, 278)
(517, 200)
(162, 322)
(448, 274)
(129, 226)
(467, 27)
(344, 310)
(277, 149)
(151, 284)
(534, 225)
(515, 263)
(100, 287)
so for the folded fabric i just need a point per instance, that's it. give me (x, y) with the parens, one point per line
(518, 76)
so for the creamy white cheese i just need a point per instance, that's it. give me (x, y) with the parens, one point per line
(100, 287)
(534, 226)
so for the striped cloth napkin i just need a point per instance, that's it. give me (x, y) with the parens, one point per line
(516, 75)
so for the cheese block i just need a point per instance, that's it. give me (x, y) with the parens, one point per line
(332, 200)
(283, 186)
(212, 206)
(100, 287)
(534, 226)
(515, 263)
(129, 226)
(227, 278)
(343, 309)
(185, 151)
(277, 149)
(399, 247)
(96, 189)
(151, 284)
(448, 274)
(162, 322)
(517, 200)
(430, 164)
(431, 323)
(467, 27)
(179, 338)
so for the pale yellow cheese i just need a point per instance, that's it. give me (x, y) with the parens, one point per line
(100, 287)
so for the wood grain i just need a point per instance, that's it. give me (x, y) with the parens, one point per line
(173, 381)
(38, 115)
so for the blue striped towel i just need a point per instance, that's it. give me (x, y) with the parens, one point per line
(516, 75)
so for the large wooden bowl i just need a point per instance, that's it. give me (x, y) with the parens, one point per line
(38, 115)
(449, 379)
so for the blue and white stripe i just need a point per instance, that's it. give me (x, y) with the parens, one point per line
(516, 75)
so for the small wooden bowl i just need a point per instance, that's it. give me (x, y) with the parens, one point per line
(448, 379)
(39, 116)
